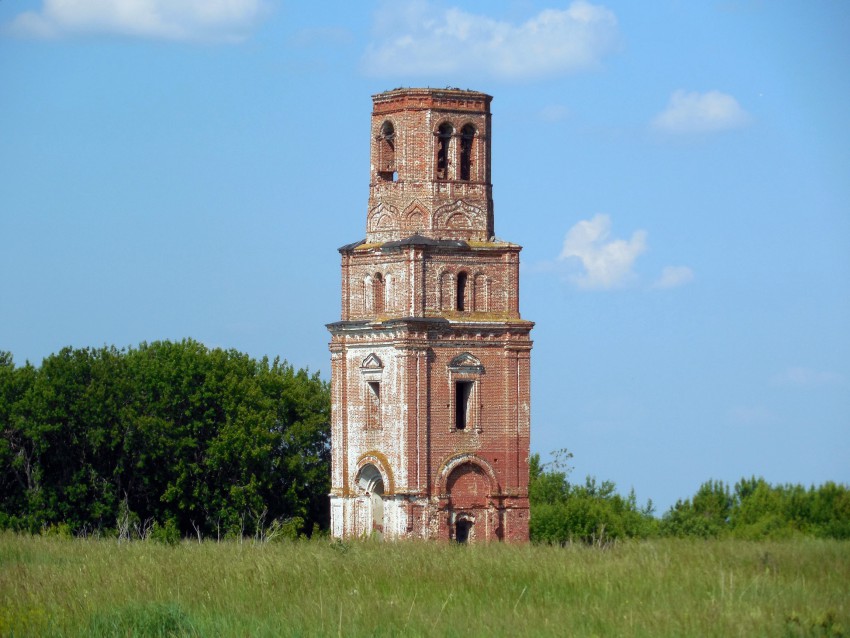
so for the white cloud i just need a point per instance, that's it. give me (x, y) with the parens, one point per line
(807, 377)
(607, 262)
(674, 276)
(693, 112)
(554, 113)
(209, 20)
(418, 38)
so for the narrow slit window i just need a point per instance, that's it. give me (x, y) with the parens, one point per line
(467, 135)
(444, 137)
(463, 400)
(461, 291)
(374, 407)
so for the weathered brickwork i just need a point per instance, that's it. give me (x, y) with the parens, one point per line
(430, 361)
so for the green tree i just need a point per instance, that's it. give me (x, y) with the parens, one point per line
(756, 510)
(706, 515)
(592, 512)
(197, 440)
(18, 474)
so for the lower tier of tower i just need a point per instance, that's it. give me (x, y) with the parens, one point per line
(430, 425)
(369, 515)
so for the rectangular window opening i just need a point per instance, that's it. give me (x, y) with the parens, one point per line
(463, 403)
(374, 407)
(375, 387)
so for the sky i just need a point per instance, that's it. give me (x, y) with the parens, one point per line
(678, 174)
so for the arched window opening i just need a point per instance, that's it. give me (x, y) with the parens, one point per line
(386, 153)
(461, 291)
(378, 294)
(371, 482)
(467, 135)
(444, 138)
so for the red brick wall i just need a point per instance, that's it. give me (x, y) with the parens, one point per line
(416, 342)
(417, 201)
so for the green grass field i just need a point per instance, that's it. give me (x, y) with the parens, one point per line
(51, 586)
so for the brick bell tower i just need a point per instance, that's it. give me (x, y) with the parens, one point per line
(430, 362)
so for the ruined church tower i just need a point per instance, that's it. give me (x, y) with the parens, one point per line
(430, 361)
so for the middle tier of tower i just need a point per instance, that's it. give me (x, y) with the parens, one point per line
(423, 277)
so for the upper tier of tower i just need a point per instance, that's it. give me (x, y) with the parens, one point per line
(430, 166)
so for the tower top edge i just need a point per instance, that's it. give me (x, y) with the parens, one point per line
(429, 97)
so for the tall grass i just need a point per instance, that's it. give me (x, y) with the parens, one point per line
(58, 587)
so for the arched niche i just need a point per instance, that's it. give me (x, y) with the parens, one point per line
(371, 483)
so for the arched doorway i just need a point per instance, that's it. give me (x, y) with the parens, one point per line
(463, 529)
(468, 488)
(369, 480)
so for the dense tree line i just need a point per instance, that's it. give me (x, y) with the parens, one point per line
(166, 436)
(176, 439)
(754, 509)
(595, 513)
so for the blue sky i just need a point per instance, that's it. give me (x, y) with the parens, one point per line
(678, 174)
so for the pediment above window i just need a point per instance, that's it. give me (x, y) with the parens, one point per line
(372, 362)
(466, 363)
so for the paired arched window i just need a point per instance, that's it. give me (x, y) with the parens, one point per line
(465, 152)
(463, 292)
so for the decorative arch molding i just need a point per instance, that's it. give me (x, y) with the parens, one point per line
(373, 457)
(459, 221)
(456, 461)
(459, 215)
(382, 217)
(416, 216)
(384, 222)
